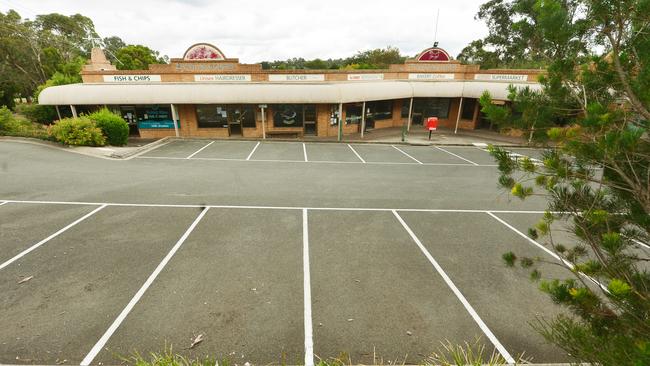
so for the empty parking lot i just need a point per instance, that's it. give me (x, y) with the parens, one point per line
(273, 252)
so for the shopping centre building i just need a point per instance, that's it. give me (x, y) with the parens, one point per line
(206, 94)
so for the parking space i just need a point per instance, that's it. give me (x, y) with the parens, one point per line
(381, 154)
(78, 282)
(22, 226)
(241, 289)
(226, 150)
(498, 293)
(375, 294)
(469, 154)
(176, 149)
(282, 151)
(430, 155)
(331, 152)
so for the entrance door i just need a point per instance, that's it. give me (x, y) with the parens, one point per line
(310, 120)
(235, 117)
(128, 113)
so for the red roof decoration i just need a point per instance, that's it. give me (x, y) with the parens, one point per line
(434, 54)
(203, 51)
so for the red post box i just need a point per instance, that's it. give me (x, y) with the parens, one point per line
(432, 125)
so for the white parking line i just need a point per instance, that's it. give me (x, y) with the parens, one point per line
(403, 152)
(309, 339)
(199, 150)
(548, 251)
(458, 156)
(33, 247)
(3, 203)
(304, 151)
(502, 350)
(120, 318)
(116, 204)
(356, 153)
(253, 151)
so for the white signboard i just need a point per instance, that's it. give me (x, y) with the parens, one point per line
(362, 77)
(431, 76)
(297, 77)
(223, 78)
(131, 78)
(501, 77)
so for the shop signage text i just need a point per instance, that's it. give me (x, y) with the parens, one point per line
(431, 76)
(131, 78)
(365, 77)
(501, 77)
(224, 78)
(297, 77)
(158, 124)
(204, 67)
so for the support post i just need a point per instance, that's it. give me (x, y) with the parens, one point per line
(74, 111)
(263, 122)
(174, 119)
(408, 123)
(340, 137)
(363, 119)
(460, 109)
(58, 113)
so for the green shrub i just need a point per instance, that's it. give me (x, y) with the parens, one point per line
(114, 128)
(11, 125)
(78, 131)
(45, 114)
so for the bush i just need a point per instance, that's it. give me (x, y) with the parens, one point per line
(78, 131)
(45, 114)
(11, 125)
(114, 128)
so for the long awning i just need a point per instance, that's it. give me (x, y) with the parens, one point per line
(263, 93)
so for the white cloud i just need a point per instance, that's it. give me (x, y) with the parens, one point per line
(255, 31)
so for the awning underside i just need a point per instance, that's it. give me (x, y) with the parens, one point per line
(267, 93)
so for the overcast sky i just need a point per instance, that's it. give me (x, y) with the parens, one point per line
(262, 30)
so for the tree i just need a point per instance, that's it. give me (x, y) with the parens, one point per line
(378, 58)
(596, 176)
(137, 57)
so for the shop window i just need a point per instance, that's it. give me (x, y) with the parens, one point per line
(353, 113)
(380, 110)
(431, 107)
(467, 112)
(406, 103)
(153, 113)
(244, 115)
(212, 116)
(334, 115)
(288, 115)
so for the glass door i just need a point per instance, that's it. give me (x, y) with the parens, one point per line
(310, 120)
(129, 115)
(235, 117)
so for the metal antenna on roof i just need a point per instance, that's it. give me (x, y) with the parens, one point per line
(435, 36)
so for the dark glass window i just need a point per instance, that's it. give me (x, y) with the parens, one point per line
(212, 116)
(468, 109)
(406, 103)
(431, 107)
(153, 113)
(288, 115)
(380, 110)
(353, 113)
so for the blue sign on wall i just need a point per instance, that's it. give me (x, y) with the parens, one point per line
(158, 124)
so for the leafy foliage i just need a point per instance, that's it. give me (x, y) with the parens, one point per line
(593, 107)
(11, 125)
(113, 126)
(78, 131)
(378, 58)
(137, 57)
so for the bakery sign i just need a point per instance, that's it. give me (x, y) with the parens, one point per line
(131, 78)
(501, 77)
(431, 76)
